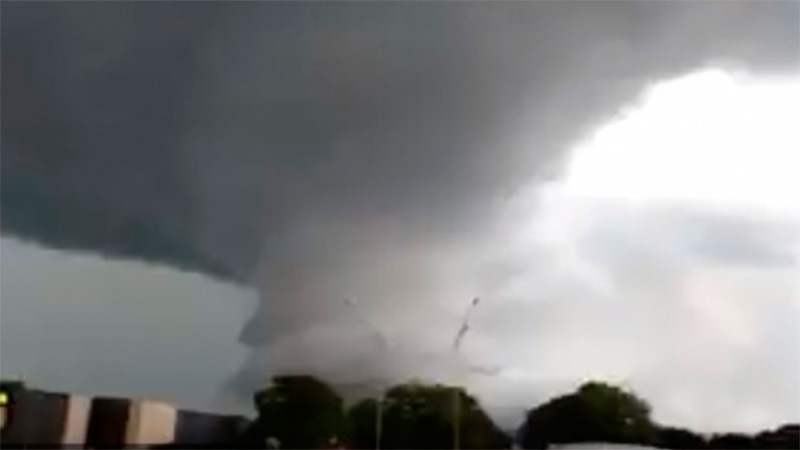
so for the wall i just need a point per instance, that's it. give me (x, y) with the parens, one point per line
(45, 418)
(107, 423)
(150, 423)
(196, 428)
(54, 419)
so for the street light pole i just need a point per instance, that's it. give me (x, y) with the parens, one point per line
(462, 331)
(351, 302)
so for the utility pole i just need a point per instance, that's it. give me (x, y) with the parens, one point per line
(462, 331)
(384, 343)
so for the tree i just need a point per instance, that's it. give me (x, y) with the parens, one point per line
(787, 436)
(679, 438)
(738, 441)
(11, 387)
(421, 416)
(596, 412)
(299, 412)
(361, 421)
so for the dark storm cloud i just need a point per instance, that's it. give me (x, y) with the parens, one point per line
(193, 133)
(95, 99)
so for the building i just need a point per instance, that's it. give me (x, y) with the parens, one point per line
(33, 417)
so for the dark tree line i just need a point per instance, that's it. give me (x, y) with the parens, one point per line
(595, 413)
(304, 412)
(598, 412)
(784, 437)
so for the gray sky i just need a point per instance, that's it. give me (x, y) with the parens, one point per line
(394, 153)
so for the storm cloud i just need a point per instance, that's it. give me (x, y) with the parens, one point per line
(202, 134)
(322, 151)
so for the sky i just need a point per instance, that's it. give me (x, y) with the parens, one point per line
(198, 195)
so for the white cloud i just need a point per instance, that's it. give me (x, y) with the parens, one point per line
(666, 257)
